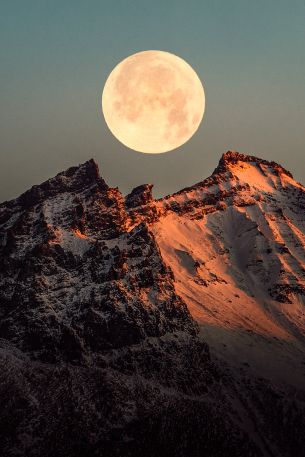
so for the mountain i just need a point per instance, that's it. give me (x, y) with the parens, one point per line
(236, 245)
(139, 327)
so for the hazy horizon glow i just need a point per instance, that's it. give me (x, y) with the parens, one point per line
(56, 56)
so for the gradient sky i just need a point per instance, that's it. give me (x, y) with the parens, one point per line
(56, 55)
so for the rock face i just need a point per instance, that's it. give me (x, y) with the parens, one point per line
(236, 245)
(107, 305)
(70, 270)
(141, 195)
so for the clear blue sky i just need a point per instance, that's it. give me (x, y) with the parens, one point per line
(56, 55)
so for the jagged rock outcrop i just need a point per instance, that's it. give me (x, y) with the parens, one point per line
(102, 299)
(73, 279)
(139, 196)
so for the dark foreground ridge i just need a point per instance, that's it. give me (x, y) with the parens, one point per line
(99, 353)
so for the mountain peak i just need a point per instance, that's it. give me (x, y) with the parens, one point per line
(82, 175)
(230, 159)
(90, 167)
(140, 195)
(71, 180)
(113, 303)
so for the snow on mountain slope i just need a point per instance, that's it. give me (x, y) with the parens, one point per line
(236, 246)
(98, 262)
(99, 352)
(73, 279)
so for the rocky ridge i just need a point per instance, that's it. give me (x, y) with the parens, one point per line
(72, 270)
(108, 302)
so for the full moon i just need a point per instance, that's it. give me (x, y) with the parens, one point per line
(153, 101)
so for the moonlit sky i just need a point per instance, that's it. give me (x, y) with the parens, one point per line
(56, 56)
